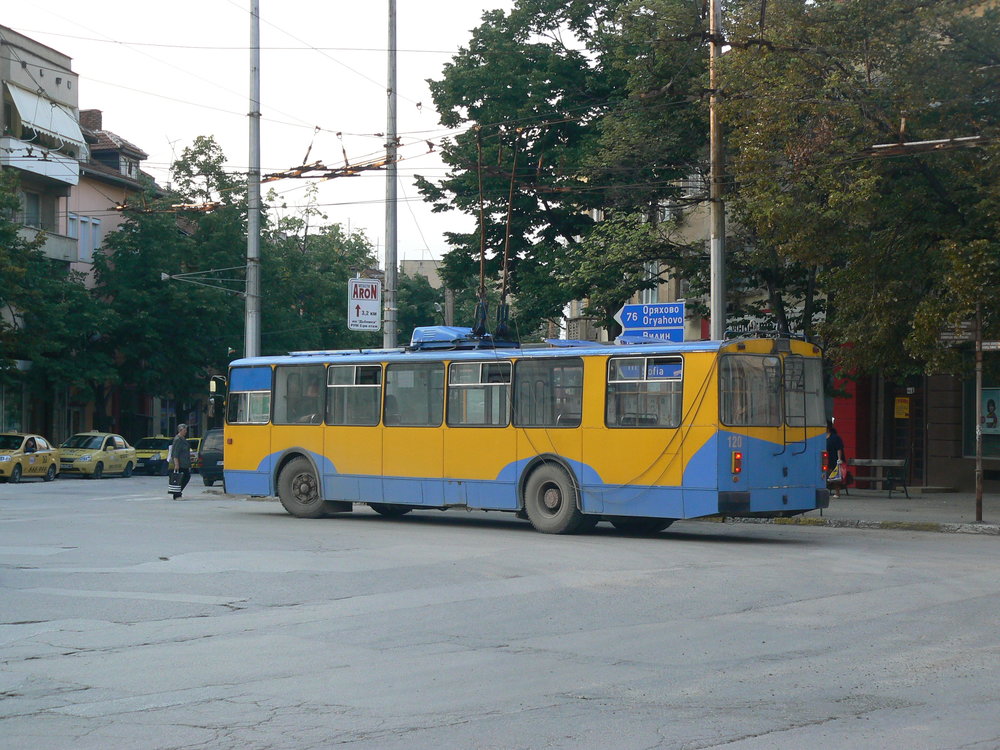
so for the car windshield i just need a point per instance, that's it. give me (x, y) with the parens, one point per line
(213, 441)
(153, 444)
(84, 441)
(10, 442)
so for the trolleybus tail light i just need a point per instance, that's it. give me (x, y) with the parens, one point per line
(737, 465)
(826, 461)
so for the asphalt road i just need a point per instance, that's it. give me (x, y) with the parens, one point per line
(128, 620)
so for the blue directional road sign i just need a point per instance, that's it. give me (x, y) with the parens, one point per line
(657, 321)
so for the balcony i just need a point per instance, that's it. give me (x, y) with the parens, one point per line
(38, 160)
(55, 246)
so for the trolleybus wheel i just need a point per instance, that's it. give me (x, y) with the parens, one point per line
(390, 510)
(298, 490)
(550, 501)
(640, 525)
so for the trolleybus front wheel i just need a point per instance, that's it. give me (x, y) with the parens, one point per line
(298, 490)
(550, 501)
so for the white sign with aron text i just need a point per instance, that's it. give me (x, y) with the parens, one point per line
(364, 304)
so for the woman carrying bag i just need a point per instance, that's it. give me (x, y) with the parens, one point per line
(180, 460)
(837, 477)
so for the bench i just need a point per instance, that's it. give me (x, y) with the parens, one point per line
(887, 472)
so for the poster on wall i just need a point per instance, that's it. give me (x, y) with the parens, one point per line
(990, 416)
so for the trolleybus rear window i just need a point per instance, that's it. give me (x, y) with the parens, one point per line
(750, 390)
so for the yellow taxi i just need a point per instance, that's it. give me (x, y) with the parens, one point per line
(24, 455)
(151, 454)
(195, 443)
(95, 454)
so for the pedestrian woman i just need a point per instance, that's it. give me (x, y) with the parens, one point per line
(180, 456)
(835, 455)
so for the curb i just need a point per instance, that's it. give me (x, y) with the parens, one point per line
(987, 529)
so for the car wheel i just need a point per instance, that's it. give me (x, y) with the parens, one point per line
(128, 470)
(15, 474)
(98, 471)
(51, 473)
(208, 482)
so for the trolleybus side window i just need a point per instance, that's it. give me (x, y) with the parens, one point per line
(804, 392)
(299, 393)
(414, 394)
(249, 395)
(750, 390)
(479, 394)
(644, 392)
(548, 393)
(354, 393)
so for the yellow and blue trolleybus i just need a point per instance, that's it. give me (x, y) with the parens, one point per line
(566, 435)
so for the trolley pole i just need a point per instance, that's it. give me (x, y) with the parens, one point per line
(717, 244)
(251, 345)
(389, 335)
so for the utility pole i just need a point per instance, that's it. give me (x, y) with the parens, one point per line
(389, 335)
(717, 247)
(979, 412)
(251, 345)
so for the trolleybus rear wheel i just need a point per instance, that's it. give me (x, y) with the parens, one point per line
(298, 490)
(390, 510)
(550, 501)
(640, 525)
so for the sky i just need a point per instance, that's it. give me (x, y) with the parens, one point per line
(165, 73)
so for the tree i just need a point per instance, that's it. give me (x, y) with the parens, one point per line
(808, 94)
(169, 335)
(49, 318)
(570, 107)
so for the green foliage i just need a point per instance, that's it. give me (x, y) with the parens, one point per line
(49, 317)
(305, 287)
(569, 108)
(829, 81)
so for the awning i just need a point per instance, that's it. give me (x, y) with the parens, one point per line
(45, 116)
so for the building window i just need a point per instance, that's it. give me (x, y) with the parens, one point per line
(86, 231)
(129, 167)
(652, 271)
(31, 210)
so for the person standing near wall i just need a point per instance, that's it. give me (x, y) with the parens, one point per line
(180, 458)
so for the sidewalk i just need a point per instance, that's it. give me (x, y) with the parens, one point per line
(934, 511)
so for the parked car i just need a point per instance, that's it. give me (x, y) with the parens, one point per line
(210, 458)
(195, 443)
(151, 454)
(95, 454)
(24, 455)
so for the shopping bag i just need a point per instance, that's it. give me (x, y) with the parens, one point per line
(174, 483)
(837, 474)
